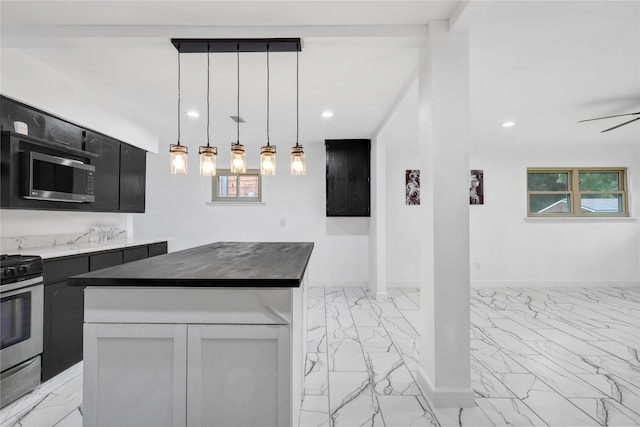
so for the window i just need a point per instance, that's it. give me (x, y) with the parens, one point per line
(588, 192)
(237, 188)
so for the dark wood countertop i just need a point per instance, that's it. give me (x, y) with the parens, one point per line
(221, 264)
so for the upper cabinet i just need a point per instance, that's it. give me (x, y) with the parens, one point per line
(133, 166)
(107, 164)
(117, 183)
(348, 177)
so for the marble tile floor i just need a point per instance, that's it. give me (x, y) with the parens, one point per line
(543, 356)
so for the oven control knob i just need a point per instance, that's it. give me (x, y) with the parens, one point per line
(10, 271)
(23, 269)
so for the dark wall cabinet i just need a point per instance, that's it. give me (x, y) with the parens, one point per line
(64, 304)
(120, 175)
(348, 177)
(107, 170)
(133, 168)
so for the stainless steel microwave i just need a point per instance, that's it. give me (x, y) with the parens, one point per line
(53, 178)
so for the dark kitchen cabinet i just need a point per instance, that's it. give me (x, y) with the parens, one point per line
(63, 315)
(105, 260)
(107, 177)
(64, 304)
(348, 177)
(133, 170)
(134, 254)
(156, 249)
(119, 178)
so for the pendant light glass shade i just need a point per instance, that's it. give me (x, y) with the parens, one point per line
(298, 162)
(238, 158)
(208, 160)
(178, 153)
(178, 159)
(268, 160)
(208, 153)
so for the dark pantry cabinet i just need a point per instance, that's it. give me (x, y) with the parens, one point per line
(348, 177)
(64, 304)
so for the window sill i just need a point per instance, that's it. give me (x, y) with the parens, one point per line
(581, 219)
(235, 203)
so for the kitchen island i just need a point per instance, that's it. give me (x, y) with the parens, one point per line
(212, 335)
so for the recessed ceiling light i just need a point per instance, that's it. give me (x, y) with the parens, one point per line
(327, 114)
(193, 113)
(508, 124)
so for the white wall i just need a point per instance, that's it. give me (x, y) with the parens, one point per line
(507, 249)
(400, 135)
(177, 206)
(33, 82)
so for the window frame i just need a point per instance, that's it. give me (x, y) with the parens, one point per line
(575, 194)
(227, 172)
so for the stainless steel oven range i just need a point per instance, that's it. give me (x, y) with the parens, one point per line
(21, 313)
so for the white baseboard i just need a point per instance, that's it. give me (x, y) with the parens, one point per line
(445, 397)
(404, 284)
(552, 283)
(338, 284)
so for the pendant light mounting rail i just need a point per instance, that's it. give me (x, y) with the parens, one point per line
(237, 45)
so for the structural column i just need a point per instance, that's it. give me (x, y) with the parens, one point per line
(378, 225)
(444, 372)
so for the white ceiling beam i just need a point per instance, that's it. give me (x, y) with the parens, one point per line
(466, 13)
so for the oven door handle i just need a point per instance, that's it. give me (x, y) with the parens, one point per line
(21, 284)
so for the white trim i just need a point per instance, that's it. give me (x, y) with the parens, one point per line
(445, 397)
(553, 283)
(568, 218)
(404, 284)
(338, 284)
(234, 203)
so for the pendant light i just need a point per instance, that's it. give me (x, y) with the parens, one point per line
(298, 162)
(268, 152)
(208, 153)
(177, 152)
(238, 154)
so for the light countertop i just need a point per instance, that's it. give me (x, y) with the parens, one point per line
(82, 248)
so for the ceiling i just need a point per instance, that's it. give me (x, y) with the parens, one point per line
(543, 65)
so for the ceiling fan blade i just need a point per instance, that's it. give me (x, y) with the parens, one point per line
(621, 124)
(609, 117)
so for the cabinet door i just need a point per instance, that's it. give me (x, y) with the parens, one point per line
(134, 254)
(337, 179)
(108, 259)
(63, 315)
(62, 335)
(137, 377)
(133, 170)
(156, 249)
(359, 170)
(238, 375)
(107, 175)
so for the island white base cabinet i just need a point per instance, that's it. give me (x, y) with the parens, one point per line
(168, 361)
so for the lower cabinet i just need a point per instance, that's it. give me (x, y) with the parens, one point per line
(64, 304)
(187, 375)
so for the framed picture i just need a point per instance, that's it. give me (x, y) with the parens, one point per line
(476, 187)
(412, 187)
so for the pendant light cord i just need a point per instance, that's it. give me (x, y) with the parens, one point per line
(238, 112)
(178, 97)
(208, 96)
(297, 99)
(267, 95)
